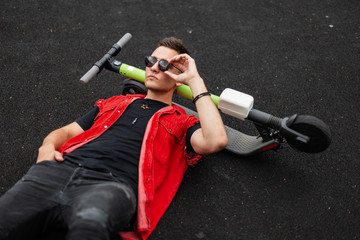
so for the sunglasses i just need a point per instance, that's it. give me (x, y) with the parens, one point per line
(163, 64)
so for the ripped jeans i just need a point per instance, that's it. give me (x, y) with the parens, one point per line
(84, 203)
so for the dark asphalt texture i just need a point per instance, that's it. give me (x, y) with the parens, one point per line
(291, 56)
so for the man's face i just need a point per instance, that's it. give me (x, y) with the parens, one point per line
(155, 79)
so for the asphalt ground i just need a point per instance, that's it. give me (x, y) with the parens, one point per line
(291, 56)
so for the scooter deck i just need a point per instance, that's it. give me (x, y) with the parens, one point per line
(240, 143)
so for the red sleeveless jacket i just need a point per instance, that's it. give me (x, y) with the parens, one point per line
(163, 158)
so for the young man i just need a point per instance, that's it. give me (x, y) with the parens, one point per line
(120, 164)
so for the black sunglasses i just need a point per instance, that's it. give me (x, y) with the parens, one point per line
(163, 64)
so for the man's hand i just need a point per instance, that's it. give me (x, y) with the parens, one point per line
(50, 154)
(48, 150)
(187, 65)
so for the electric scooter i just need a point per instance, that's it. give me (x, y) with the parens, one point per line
(302, 132)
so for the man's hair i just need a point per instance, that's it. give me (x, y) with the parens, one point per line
(173, 43)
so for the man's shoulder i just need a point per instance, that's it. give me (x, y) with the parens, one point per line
(182, 116)
(179, 109)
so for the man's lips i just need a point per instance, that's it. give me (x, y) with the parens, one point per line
(152, 77)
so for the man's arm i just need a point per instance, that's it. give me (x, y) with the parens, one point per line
(211, 137)
(50, 145)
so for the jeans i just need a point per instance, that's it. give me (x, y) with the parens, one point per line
(85, 203)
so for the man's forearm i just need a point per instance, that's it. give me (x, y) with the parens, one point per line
(55, 139)
(212, 125)
(50, 145)
(48, 149)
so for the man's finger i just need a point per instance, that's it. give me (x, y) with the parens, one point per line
(58, 156)
(170, 74)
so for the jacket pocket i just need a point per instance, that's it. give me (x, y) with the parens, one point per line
(171, 127)
(104, 110)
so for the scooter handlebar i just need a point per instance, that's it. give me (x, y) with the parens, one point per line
(124, 40)
(111, 53)
(89, 75)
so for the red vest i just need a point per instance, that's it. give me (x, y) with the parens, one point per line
(163, 158)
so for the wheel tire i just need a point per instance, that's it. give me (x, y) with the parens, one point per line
(315, 129)
(133, 87)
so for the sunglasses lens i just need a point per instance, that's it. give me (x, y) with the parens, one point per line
(163, 65)
(150, 61)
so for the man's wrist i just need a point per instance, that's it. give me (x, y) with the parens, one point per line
(197, 86)
(46, 148)
(197, 97)
(195, 80)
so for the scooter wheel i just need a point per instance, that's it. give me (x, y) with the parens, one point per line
(133, 87)
(315, 129)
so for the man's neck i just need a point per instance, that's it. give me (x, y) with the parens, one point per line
(165, 97)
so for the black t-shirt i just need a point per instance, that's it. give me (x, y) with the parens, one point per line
(118, 149)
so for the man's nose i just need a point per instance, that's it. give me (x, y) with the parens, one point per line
(155, 67)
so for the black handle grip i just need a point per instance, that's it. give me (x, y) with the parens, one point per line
(264, 118)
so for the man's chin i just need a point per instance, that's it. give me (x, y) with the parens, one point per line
(151, 85)
(158, 90)
(155, 87)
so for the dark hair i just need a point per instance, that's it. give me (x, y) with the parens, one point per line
(173, 43)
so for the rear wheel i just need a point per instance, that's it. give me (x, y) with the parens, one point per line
(315, 129)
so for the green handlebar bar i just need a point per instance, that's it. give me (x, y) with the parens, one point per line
(139, 75)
